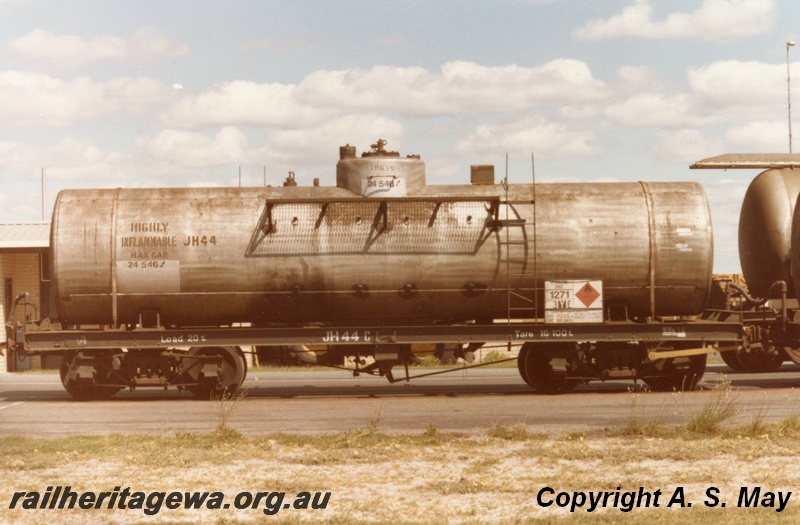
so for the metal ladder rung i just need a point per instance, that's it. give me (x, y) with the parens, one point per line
(522, 301)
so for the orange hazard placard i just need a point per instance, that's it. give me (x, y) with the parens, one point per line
(587, 295)
(575, 301)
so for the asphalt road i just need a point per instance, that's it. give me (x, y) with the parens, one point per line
(474, 400)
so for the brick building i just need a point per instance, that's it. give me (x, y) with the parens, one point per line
(24, 267)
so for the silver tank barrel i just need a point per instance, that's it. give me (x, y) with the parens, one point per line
(765, 230)
(214, 256)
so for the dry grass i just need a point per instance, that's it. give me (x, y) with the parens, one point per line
(427, 477)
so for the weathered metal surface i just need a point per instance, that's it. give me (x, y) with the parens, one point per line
(379, 173)
(373, 227)
(292, 255)
(765, 230)
(795, 246)
(614, 332)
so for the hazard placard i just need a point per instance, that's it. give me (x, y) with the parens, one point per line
(578, 301)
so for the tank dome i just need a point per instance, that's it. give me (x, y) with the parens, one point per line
(379, 173)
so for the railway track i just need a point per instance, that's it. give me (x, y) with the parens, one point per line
(301, 402)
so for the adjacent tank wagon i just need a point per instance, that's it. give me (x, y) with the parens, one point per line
(769, 252)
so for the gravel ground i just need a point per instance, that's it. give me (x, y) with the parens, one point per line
(454, 479)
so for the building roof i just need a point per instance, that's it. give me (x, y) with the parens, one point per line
(25, 235)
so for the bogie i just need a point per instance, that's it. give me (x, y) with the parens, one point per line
(216, 371)
(205, 371)
(558, 368)
(87, 378)
(677, 374)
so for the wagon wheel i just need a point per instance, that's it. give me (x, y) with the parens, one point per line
(230, 374)
(536, 370)
(81, 391)
(792, 353)
(523, 354)
(731, 358)
(679, 374)
(767, 358)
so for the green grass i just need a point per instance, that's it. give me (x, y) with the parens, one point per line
(719, 407)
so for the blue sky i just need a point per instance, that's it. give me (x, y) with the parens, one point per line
(145, 93)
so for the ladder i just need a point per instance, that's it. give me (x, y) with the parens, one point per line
(519, 253)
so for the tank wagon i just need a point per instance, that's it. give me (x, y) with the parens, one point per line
(769, 252)
(163, 287)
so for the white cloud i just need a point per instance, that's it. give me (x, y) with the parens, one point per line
(636, 79)
(714, 20)
(310, 151)
(23, 206)
(686, 146)
(759, 136)
(68, 159)
(51, 50)
(16, 155)
(147, 44)
(76, 163)
(519, 87)
(39, 100)
(40, 45)
(653, 109)
(721, 93)
(460, 86)
(188, 149)
(552, 109)
(319, 145)
(135, 94)
(382, 87)
(35, 100)
(245, 103)
(524, 136)
(412, 92)
(746, 88)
